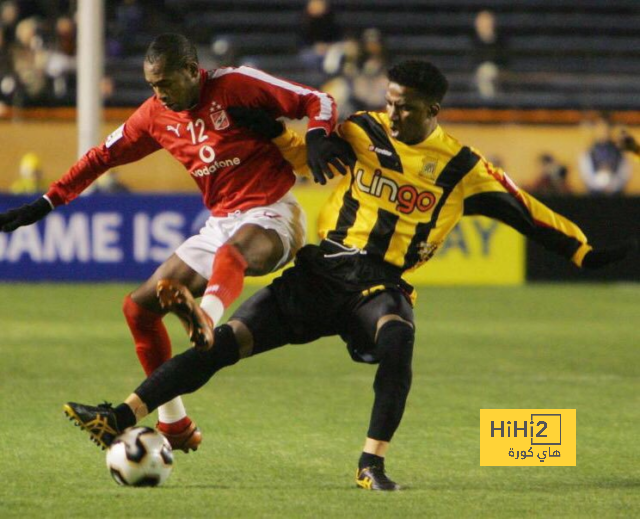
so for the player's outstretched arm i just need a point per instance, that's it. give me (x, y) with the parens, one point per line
(488, 191)
(25, 215)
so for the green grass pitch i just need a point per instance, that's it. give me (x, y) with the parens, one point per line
(282, 432)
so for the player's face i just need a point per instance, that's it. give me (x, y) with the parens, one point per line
(177, 89)
(412, 116)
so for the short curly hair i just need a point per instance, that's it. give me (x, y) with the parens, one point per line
(425, 77)
(175, 49)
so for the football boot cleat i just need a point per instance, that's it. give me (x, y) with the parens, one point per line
(375, 478)
(186, 440)
(174, 297)
(99, 421)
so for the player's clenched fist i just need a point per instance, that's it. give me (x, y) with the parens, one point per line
(24, 215)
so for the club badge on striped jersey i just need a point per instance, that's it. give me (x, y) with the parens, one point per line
(429, 166)
(426, 250)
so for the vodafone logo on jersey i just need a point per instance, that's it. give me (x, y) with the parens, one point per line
(215, 166)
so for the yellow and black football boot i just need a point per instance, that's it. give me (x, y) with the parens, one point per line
(375, 478)
(99, 421)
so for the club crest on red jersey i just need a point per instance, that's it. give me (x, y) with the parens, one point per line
(220, 120)
(218, 116)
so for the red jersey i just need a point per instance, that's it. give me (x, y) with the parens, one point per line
(234, 168)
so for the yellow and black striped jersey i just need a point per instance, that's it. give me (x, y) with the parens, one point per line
(401, 201)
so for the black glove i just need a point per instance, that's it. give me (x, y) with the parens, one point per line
(257, 120)
(323, 151)
(596, 259)
(24, 215)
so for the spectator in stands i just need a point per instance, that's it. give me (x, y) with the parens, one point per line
(373, 46)
(343, 57)
(552, 177)
(223, 53)
(30, 178)
(29, 62)
(341, 64)
(318, 31)
(358, 70)
(108, 184)
(603, 167)
(61, 63)
(490, 54)
(370, 83)
(7, 78)
(9, 17)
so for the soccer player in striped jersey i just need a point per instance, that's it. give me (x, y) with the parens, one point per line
(411, 184)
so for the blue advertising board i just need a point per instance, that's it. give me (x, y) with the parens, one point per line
(99, 237)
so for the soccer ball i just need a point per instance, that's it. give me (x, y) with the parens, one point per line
(140, 457)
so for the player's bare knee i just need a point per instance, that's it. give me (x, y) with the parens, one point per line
(145, 297)
(261, 248)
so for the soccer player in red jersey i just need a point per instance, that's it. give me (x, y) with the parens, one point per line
(255, 226)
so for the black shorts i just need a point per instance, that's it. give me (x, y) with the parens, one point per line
(324, 296)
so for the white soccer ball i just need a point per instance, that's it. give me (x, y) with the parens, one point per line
(140, 457)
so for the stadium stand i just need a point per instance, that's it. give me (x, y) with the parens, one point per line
(561, 54)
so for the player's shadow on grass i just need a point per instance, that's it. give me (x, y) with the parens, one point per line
(273, 485)
(201, 486)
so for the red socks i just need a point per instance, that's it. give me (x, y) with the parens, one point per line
(227, 277)
(175, 427)
(149, 334)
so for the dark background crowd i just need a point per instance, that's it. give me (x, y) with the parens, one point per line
(514, 53)
(497, 54)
